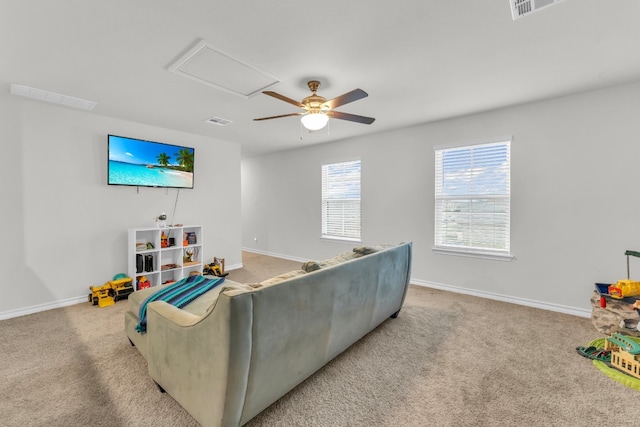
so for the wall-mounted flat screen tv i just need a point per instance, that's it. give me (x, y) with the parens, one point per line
(143, 163)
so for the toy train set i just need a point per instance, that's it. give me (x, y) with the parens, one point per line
(618, 355)
(623, 354)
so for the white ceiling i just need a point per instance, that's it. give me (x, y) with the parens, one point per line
(419, 60)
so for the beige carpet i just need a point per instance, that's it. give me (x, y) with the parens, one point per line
(447, 360)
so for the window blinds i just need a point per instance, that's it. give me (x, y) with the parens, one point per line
(341, 200)
(472, 198)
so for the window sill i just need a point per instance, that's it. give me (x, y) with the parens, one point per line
(474, 254)
(339, 239)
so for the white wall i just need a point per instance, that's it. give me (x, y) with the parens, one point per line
(575, 198)
(65, 229)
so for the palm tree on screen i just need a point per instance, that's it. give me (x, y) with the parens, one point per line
(163, 159)
(185, 159)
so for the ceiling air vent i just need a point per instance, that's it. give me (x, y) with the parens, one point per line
(218, 121)
(520, 8)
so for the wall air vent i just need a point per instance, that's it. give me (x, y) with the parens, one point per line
(218, 121)
(55, 98)
(520, 8)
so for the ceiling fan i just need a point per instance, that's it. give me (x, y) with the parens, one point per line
(317, 110)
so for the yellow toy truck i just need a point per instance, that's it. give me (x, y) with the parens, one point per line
(216, 268)
(118, 288)
(625, 287)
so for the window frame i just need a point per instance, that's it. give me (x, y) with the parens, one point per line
(325, 224)
(441, 247)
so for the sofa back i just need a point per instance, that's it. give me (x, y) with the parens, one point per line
(302, 323)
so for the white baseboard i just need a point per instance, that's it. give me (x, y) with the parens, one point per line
(275, 255)
(506, 298)
(233, 266)
(42, 307)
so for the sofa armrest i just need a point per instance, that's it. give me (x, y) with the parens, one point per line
(174, 314)
(203, 361)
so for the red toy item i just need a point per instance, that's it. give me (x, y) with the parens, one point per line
(143, 282)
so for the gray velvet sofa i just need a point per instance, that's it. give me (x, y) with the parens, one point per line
(240, 347)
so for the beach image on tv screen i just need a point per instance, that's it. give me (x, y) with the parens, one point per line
(149, 164)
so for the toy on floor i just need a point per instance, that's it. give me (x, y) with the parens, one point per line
(624, 354)
(118, 288)
(591, 352)
(621, 361)
(625, 287)
(216, 268)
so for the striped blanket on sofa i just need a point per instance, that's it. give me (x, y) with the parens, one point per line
(178, 294)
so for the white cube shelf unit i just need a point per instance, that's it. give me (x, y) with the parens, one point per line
(164, 255)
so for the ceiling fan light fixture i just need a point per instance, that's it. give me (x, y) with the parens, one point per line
(317, 110)
(314, 120)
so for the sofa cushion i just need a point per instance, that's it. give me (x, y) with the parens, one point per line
(338, 259)
(357, 252)
(278, 279)
(310, 266)
(366, 250)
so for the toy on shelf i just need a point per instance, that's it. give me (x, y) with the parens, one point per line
(164, 240)
(190, 238)
(142, 282)
(190, 256)
(625, 287)
(118, 288)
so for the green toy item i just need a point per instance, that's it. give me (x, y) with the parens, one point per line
(614, 374)
(600, 351)
(591, 352)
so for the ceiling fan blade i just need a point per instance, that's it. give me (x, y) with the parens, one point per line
(351, 117)
(348, 97)
(283, 98)
(277, 117)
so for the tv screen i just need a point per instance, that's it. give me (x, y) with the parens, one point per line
(149, 164)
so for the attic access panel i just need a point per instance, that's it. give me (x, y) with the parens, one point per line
(212, 67)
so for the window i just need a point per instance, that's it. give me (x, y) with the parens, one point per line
(472, 199)
(341, 200)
